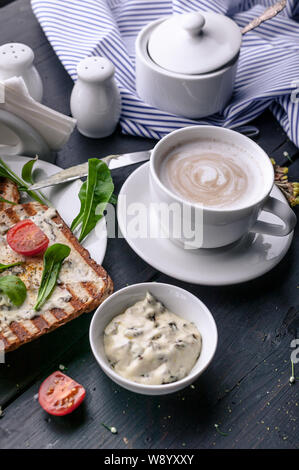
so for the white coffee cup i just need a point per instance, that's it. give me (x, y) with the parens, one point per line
(218, 227)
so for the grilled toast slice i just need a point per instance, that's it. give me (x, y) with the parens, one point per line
(9, 191)
(81, 287)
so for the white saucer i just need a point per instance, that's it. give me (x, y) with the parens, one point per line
(250, 257)
(64, 198)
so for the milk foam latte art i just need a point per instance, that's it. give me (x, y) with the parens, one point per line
(212, 173)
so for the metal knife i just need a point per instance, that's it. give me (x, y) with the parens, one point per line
(78, 171)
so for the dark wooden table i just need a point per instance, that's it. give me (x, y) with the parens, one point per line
(245, 391)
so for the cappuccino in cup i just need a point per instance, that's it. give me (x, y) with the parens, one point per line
(220, 181)
(212, 173)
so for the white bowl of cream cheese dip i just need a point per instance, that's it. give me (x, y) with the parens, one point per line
(153, 338)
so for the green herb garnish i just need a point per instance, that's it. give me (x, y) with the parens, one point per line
(113, 199)
(293, 379)
(2, 199)
(110, 428)
(7, 266)
(6, 172)
(28, 178)
(27, 170)
(53, 258)
(95, 193)
(220, 432)
(14, 288)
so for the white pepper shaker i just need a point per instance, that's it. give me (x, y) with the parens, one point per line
(95, 99)
(16, 60)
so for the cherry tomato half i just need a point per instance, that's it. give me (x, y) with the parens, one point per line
(27, 239)
(59, 395)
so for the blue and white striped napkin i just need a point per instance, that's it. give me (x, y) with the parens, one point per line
(268, 72)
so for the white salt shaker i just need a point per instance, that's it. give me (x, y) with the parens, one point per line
(16, 60)
(95, 99)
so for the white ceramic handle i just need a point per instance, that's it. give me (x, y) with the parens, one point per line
(193, 23)
(281, 210)
(30, 142)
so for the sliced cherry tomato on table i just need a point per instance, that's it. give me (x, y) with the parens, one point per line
(27, 239)
(59, 395)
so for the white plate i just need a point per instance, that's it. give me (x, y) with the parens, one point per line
(250, 257)
(64, 198)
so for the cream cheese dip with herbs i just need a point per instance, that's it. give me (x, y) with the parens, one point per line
(148, 344)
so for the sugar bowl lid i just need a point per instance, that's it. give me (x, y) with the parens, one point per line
(194, 43)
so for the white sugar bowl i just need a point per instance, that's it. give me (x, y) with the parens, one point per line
(16, 60)
(186, 64)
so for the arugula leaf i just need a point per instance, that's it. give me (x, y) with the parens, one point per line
(53, 258)
(6, 172)
(14, 288)
(27, 170)
(2, 199)
(95, 193)
(6, 266)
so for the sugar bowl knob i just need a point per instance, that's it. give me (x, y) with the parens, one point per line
(95, 99)
(193, 22)
(16, 60)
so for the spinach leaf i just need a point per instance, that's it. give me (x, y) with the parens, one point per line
(95, 193)
(53, 258)
(6, 172)
(14, 288)
(6, 266)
